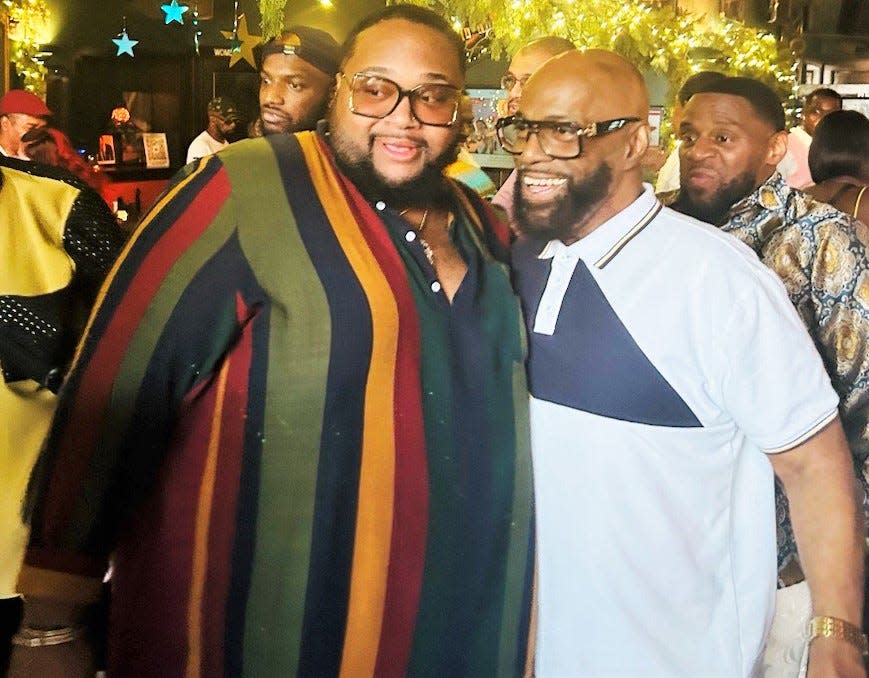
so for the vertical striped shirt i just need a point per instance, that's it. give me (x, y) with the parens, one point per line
(303, 458)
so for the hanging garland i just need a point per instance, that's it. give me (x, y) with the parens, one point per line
(271, 17)
(655, 38)
(27, 20)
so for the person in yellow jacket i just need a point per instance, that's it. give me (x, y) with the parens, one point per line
(58, 239)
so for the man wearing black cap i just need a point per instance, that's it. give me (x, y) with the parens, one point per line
(296, 75)
(20, 112)
(222, 118)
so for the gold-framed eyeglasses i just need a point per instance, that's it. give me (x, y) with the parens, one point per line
(374, 96)
(561, 140)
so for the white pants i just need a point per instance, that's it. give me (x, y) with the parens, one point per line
(787, 650)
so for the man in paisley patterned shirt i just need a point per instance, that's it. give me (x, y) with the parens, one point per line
(732, 137)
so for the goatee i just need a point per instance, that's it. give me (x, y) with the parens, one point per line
(428, 189)
(715, 208)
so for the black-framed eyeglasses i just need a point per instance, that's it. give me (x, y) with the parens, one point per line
(508, 81)
(373, 96)
(558, 139)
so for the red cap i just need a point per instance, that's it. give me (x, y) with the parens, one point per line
(19, 101)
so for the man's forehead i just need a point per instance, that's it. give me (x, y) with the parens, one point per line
(525, 63)
(561, 92)
(376, 47)
(707, 105)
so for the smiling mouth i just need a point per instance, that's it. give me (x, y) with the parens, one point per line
(538, 185)
(400, 150)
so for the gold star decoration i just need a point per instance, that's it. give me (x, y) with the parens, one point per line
(248, 42)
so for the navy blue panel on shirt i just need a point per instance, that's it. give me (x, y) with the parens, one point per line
(591, 362)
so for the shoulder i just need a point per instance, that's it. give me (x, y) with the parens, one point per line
(816, 218)
(697, 253)
(40, 173)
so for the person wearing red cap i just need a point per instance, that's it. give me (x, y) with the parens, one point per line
(20, 112)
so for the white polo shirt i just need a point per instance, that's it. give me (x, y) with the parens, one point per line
(664, 360)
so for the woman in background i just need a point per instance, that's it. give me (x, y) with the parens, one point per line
(50, 146)
(839, 162)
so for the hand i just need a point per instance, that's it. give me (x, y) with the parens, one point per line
(70, 660)
(834, 658)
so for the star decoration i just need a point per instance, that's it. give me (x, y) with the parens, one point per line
(242, 43)
(125, 45)
(174, 12)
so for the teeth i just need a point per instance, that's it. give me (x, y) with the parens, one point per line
(534, 181)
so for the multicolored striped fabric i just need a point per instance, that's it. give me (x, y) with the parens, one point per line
(302, 459)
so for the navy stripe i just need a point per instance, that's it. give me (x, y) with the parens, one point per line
(336, 501)
(244, 546)
(591, 362)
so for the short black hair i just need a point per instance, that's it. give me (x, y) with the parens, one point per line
(414, 14)
(825, 93)
(840, 146)
(695, 82)
(762, 98)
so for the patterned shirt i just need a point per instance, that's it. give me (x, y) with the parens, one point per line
(58, 241)
(304, 459)
(820, 255)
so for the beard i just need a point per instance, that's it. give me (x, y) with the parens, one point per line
(562, 219)
(428, 189)
(714, 209)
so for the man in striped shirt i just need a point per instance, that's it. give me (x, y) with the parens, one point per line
(298, 422)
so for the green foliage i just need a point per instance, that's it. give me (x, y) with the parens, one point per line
(653, 37)
(27, 19)
(271, 17)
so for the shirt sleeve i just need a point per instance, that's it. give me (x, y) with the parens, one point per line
(140, 362)
(776, 387)
(838, 312)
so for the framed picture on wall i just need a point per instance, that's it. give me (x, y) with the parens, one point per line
(156, 149)
(106, 154)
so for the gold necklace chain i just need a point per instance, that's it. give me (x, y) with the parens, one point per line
(426, 248)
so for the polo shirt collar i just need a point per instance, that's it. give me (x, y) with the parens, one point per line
(605, 242)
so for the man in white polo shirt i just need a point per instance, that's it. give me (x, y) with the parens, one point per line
(670, 376)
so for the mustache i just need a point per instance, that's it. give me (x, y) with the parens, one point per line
(416, 141)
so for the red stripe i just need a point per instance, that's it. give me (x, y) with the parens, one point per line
(223, 527)
(153, 574)
(94, 390)
(410, 522)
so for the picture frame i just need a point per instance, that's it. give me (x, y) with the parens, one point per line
(156, 149)
(107, 154)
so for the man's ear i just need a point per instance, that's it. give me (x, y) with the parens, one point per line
(638, 142)
(777, 148)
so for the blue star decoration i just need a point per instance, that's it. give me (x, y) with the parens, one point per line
(174, 12)
(125, 45)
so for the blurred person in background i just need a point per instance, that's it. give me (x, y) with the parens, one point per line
(57, 243)
(20, 112)
(222, 119)
(839, 162)
(795, 166)
(50, 146)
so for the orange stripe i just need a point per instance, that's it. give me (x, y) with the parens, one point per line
(200, 536)
(377, 476)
